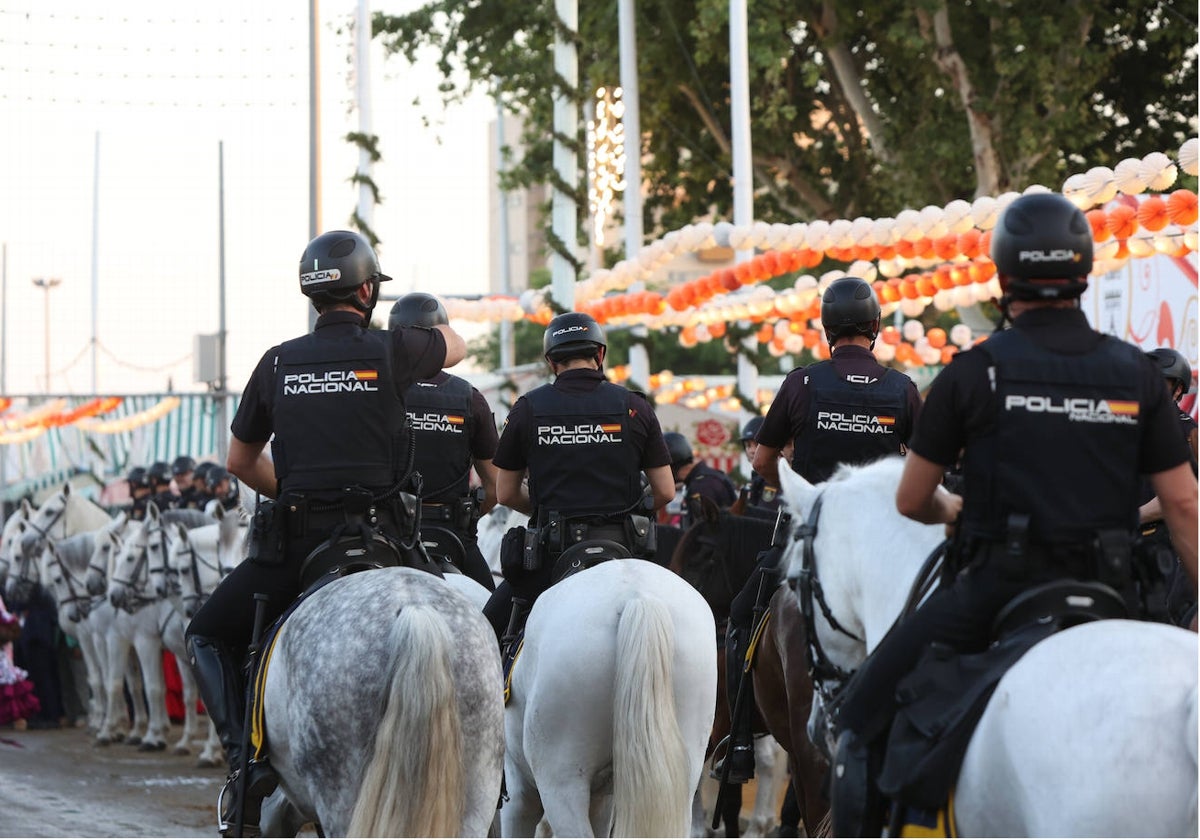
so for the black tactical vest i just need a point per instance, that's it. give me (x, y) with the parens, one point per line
(1064, 445)
(440, 417)
(849, 422)
(1186, 424)
(581, 457)
(337, 418)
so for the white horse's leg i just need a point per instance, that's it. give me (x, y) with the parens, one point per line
(137, 695)
(116, 715)
(173, 641)
(520, 815)
(149, 651)
(772, 777)
(94, 658)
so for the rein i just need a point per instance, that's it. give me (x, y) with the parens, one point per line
(69, 578)
(44, 533)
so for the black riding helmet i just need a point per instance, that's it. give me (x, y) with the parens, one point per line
(138, 477)
(201, 471)
(334, 265)
(574, 335)
(417, 309)
(183, 464)
(1042, 248)
(159, 472)
(1175, 368)
(214, 476)
(679, 449)
(751, 429)
(849, 307)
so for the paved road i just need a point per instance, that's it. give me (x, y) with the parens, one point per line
(54, 783)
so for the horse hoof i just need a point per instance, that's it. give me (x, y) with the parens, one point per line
(205, 763)
(181, 751)
(103, 742)
(150, 746)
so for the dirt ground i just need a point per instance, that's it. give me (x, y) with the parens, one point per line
(54, 783)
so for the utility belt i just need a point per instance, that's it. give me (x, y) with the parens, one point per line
(461, 515)
(526, 550)
(298, 517)
(1107, 557)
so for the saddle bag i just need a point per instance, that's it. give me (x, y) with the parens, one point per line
(940, 703)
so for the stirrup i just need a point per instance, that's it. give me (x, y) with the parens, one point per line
(260, 784)
(741, 770)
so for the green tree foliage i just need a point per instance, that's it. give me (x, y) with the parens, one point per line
(857, 109)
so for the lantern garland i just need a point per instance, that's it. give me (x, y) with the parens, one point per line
(124, 424)
(936, 255)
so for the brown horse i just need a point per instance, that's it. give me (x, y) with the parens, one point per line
(717, 555)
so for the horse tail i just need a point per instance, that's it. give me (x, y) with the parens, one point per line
(650, 765)
(414, 784)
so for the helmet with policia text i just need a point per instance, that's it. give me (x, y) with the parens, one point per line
(335, 264)
(574, 335)
(849, 307)
(1174, 367)
(679, 449)
(138, 477)
(183, 465)
(417, 309)
(1042, 248)
(751, 429)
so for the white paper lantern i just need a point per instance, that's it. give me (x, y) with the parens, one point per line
(1158, 171)
(957, 216)
(793, 344)
(759, 233)
(908, 225)
(913, 307)
(964, 295)
(1128, 175)
(778, 235)
(960, 334)
(930, 355)
(1075, 190)
(884, 352)
(864, 269)
(817, 237)
(1035, 189)
(984, 212)
(884, 231)
(891, 268)
(804, 283)
(839, 233)
(739, 238)
(1188, 154)
(943, 301)
(862, 231)
(912, 330)
(933, 221)
(1102, 184)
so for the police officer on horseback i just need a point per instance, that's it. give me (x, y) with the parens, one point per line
(331, 404)
(699, 480)
(1169, 589)
(571, 455)
(756, 495)
(182, 469)
(848, 409)
(140, 490)
(159, 474)
(454, 430)
(1054, 421)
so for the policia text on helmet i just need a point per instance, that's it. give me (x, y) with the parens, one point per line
(341, 267)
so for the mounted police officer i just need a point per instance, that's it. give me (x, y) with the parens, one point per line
(224, 487)
(200, 497)
(331, 404)
(848, 409)
(582, 444)
(159, 474)
(140, 490)
(1054, 421)
(182, 469)
(455, 431)
(1178, 601)
(756, 494)
(698, 479)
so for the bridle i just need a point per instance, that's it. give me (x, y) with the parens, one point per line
(44, 533)
(196, 561)
(73, 597)
(828, 677)
(139, 577)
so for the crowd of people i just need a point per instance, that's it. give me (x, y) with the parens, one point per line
(371, 438)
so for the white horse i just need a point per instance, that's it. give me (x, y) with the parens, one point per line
(383, 709)
(611, 705)
(1092, 733)
(64, 514)
(9, 537)
(147, 623)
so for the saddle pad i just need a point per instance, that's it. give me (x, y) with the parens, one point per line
(922, 822)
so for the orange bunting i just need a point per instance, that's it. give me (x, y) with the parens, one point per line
(946, 247)
(968, 243)
(1098, 219)
(1122, 221)
(890, 335)
(936, 336)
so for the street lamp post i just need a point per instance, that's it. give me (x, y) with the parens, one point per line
(46, 284)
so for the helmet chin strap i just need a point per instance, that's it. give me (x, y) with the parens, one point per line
(367, 308)
(1002, 303)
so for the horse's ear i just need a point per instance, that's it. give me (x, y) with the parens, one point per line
(182, 530)
(26, 508)
(219, 512)
(709, 511)
(152, 511)
(66, 489)
(797, 493)
(118, 522)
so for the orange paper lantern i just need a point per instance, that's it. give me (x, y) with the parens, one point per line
(1181, 207)
(936, 336)
(1122, 221)
(968, 243)
(1098, 219)
(1152, 213)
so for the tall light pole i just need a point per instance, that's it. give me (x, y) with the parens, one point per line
(46, 284)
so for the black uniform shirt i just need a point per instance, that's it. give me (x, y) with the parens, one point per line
(961, 406)
(645, 432)
(417, 353)
(483, 425)
(786, 420)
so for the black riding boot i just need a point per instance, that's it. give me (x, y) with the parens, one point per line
(740, 752)
(516, 623)
(856, 806)
(219, 680)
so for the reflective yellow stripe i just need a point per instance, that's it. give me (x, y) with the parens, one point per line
(511, 668)
(753, 648)
(258, 726)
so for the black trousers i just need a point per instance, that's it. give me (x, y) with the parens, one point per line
(960, 615)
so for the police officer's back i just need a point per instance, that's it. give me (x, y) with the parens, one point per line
(453, 429)
(331, 404)
(848, 409)
(1054, 422)
(159, 474)
(582, 443)
(140, 491)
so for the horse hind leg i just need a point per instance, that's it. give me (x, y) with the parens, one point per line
(772, 777)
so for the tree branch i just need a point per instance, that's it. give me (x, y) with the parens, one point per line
(850, 81)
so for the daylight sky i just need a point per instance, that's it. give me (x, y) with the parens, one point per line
(163, 83)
